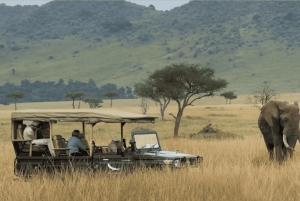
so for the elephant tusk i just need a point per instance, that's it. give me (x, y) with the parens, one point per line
(286, 143)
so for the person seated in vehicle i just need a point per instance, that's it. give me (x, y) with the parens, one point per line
(43, 131)
(30, 134)
(114, 145)
(75, 145)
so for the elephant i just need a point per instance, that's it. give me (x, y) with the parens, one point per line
(279, 125)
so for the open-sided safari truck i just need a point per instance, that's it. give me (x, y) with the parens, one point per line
(143, 149)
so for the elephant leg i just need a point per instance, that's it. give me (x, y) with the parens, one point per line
(284, 151)
(291, 153)
(270, 148)
(278, 143)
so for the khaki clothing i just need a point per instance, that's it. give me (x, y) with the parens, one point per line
(112, 147)
(28, 131)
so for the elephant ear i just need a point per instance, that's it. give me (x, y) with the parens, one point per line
(272, 110)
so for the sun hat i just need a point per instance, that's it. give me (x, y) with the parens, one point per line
(35, 123)
(115, 139)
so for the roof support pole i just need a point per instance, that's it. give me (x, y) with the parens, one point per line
(51, 135)
(122, 125)
(83, 129)
(91, 139)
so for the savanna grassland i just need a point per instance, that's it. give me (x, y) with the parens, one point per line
(233, 169)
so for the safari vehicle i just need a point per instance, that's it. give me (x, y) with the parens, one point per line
(143, 149)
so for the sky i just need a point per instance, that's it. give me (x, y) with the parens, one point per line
(159, 4)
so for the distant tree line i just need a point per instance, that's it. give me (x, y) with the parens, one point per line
(38, 91)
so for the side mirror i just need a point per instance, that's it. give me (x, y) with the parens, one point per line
(132, 144)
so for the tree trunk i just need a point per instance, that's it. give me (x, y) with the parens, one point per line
(110, 103)
(162, 112)
(79, 104)
(73, 104)
(177, 122)
(15, 104)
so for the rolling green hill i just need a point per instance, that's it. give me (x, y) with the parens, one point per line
(247, 43)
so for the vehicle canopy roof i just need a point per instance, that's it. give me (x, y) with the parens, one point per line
(81, 115)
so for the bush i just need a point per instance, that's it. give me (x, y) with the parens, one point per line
(181, 54)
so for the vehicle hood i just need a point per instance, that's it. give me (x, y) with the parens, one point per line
(174, 154)
(168, 154)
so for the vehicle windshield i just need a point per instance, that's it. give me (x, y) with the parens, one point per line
(146, 141)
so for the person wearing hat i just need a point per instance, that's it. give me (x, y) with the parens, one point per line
(113, 145)
(30, 134)
(75, 146)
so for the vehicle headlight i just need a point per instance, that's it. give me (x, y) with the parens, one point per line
(177, 163)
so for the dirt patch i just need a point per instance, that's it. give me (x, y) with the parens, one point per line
(208, 132)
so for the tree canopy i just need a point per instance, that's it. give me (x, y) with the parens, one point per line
(185, 83)
(228, 96)
(263, 94)
(93, 102)
(110, 95)
(15, 95)
(147, 89)
(74, 95)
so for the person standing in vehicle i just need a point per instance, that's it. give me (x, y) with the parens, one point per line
(114, 145)
(30, 134)
(75, 145)
(29, 131)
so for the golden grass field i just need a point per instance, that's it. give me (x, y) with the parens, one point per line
(233, 169)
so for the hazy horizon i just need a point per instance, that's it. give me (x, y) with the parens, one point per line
(158, 4)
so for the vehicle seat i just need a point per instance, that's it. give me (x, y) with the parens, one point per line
(44, 131)
(60, 144)
(25, 147)
(83, 140)
(104, 150)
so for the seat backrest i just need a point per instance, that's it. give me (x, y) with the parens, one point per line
(59, 142)
(20, 131)
(44, 131)
(104, 150)
(83, 140)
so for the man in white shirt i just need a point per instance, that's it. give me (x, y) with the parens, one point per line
(30, 134)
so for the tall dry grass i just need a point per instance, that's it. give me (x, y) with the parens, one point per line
(232, 169)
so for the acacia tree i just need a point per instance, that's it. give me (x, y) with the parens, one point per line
(185, 83)
(147, 89)
(73, 96)
(263, 94)
(110, 95)
(144, 105)
(16, 96)
(228, 96)
(93, 102)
